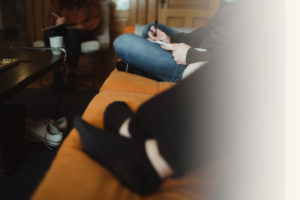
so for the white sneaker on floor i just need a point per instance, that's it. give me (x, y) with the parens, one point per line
(44, 131)
(61, 124)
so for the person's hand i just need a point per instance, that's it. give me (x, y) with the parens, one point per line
(161, 36)
(60, 20)
(179, 52)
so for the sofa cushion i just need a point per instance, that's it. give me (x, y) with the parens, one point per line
(123, 81)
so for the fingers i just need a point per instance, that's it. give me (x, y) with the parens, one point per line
(158, 31)
(167, 47)
(151, 40)
(60, 20)
(154, 30)
(175, 53)
(151, 36)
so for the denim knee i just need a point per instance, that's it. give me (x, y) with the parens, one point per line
(123, 42)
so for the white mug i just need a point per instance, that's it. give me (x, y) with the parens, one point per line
(56, 42)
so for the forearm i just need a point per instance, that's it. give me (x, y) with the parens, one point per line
(192, 39)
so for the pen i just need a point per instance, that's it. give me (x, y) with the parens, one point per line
(55, 15)
(155, 26)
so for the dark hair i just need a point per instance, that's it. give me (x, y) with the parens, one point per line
(69, 4)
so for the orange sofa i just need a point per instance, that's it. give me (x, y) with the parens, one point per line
(74, 175)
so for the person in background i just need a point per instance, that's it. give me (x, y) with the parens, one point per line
(159, 141)
(75, 20)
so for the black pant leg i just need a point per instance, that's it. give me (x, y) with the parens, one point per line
(184, 120)
(73, 39)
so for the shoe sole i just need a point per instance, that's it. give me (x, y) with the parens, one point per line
(36, 138)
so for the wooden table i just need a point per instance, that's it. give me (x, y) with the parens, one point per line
(33, 64)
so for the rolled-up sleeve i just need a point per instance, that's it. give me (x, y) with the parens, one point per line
(194, 56)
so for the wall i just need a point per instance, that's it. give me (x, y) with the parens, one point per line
(8, 13)
(146, 11)
(142, 11)
(119, 16)
(122, 4)
(8, 20)
(36, 11)
(1, 23)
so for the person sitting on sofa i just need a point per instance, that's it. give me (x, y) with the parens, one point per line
(75, 20)
(158, 141)
(181, 129)
(168, 62)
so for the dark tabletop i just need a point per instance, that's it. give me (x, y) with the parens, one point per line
(32, 65)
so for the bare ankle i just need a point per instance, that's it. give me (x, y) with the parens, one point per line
(160, 165)
(124, 128)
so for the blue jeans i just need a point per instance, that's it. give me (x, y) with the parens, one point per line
(147, 56)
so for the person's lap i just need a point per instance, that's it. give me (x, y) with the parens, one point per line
(147, 56)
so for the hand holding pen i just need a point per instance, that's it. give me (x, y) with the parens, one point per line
(55, 15)
(59, 20)
(160, 35)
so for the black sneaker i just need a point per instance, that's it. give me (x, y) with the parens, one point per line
(121, 66)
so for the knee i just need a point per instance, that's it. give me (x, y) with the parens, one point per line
(123, 42)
